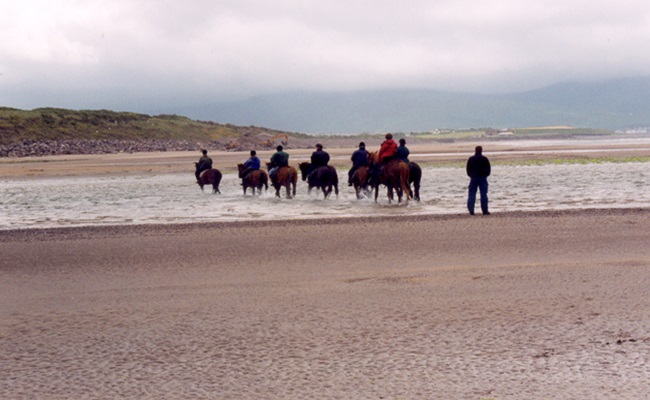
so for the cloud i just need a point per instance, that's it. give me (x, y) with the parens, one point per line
(155, 53)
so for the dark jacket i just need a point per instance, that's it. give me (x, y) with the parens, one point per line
(319, 158)
(204, 163)
(280, 159)
(360, 157)
(402, 153)
(478, 166)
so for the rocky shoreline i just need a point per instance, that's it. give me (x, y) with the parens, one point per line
(30, 148)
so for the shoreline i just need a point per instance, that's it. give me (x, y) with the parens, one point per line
(172, 228)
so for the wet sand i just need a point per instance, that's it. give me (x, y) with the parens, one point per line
(547, 305)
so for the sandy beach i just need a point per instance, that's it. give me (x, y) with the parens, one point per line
(547, 305)
(517, 305)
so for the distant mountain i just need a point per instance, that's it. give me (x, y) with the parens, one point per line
(622, 103)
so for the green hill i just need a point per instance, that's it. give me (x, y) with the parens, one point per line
(61, 124)
(60, 131)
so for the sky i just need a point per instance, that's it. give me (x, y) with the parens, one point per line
(161, 56)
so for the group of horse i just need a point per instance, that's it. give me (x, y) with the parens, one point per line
(397, 175)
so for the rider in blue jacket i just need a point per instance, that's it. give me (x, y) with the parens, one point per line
(250, 165)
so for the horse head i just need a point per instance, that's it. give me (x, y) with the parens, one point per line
(240, 168)
(373, 158)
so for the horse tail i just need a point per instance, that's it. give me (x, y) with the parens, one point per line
(415, 176)
(336, 182)
(264, 179)
(404, 181)
(217, 180)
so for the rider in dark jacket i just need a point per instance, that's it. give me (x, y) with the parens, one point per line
(204, 163)
(279, 159)
(319, 158)
(402, 152)
(359, 159)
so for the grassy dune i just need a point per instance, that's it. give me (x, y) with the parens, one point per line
(62, 124)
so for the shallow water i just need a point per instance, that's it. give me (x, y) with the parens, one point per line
(175, 198)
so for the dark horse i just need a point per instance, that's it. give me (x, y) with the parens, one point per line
(323, 178)
(360, 180)
(287, 177)
(212, 177)
(394, 175)
(415, 176)
(254, 180)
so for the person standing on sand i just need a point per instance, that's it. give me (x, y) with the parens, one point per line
(204, 163)
(478, 169)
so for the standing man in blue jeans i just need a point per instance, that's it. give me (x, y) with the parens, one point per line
(478, 169)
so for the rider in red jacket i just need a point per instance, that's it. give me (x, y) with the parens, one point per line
(387, 149)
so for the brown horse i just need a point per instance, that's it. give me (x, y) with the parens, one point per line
(394, 175)
(254, 180)
(360, 180)
(210, 177)
(287, 177)
(324, 178)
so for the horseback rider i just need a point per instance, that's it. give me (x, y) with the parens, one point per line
(319, 158)
(359, 159)
(386, 153)
(387, 150)
(250, 165)
(279, 159)
(402, 152)
(204, 163)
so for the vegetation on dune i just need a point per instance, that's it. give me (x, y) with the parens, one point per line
(44, 124)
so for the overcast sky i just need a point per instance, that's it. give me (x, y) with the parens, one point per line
(157, 56)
